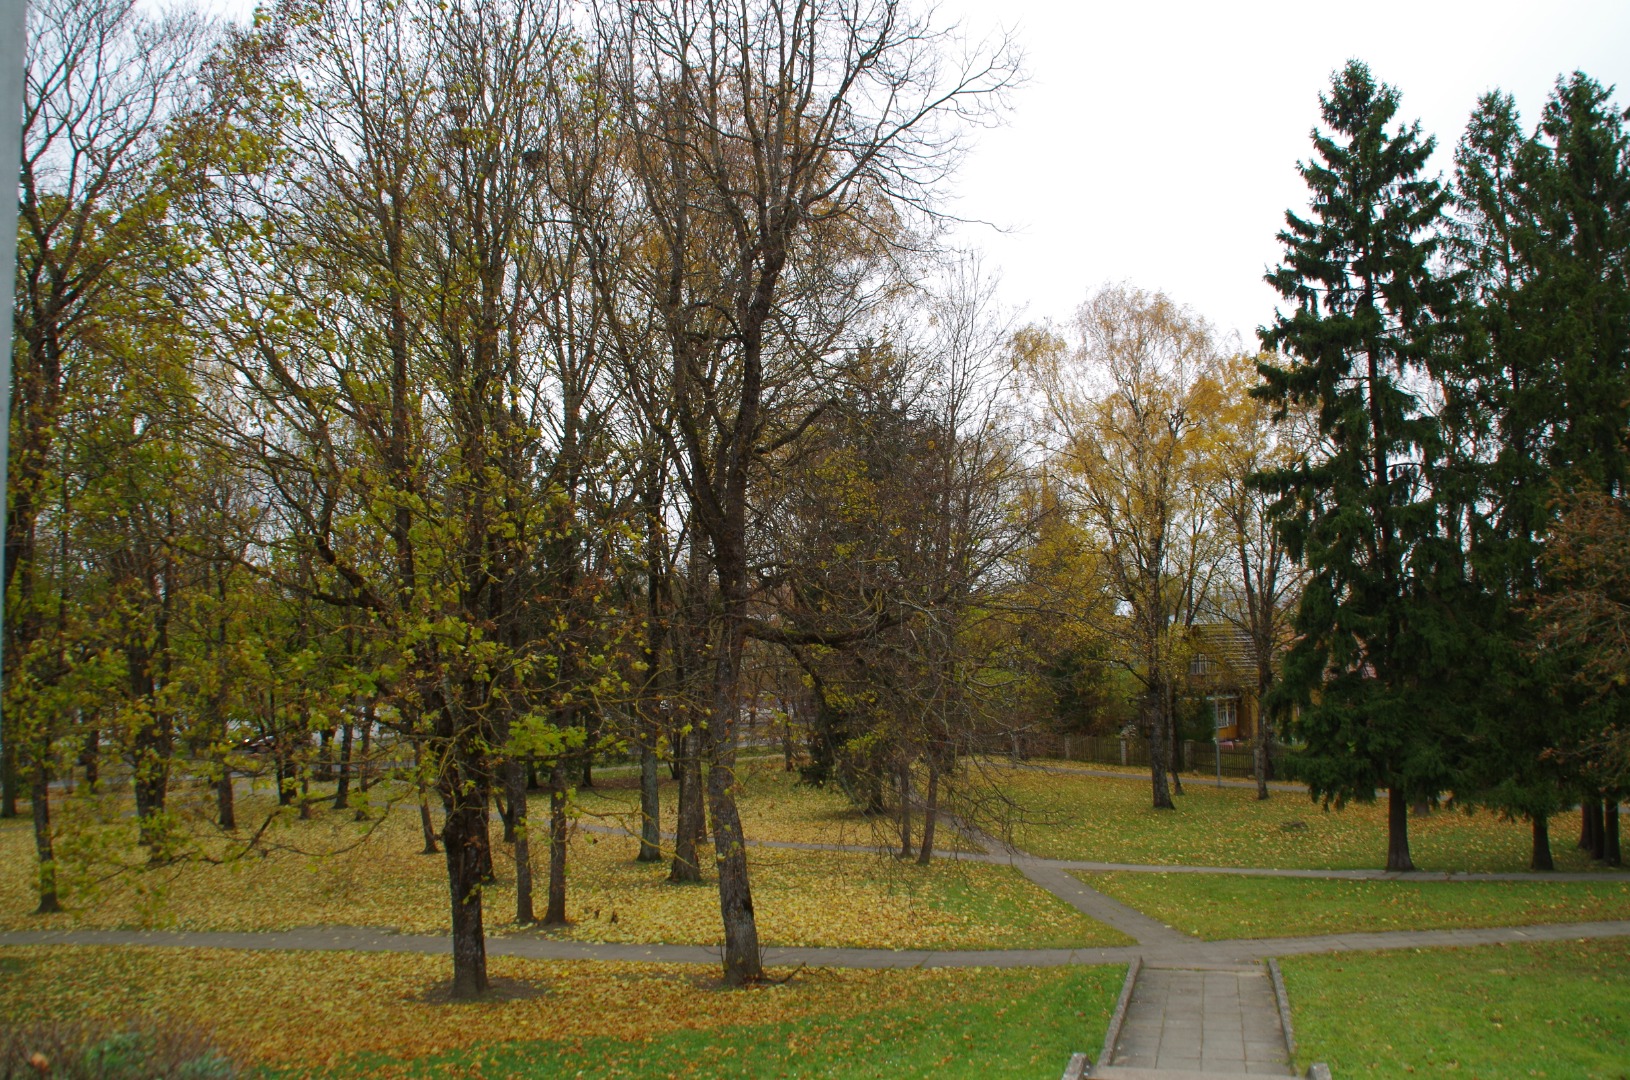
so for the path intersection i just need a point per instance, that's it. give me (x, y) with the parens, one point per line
(1189, 1008)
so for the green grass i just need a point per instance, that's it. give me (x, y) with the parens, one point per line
(1022, 1023)
(1218, 907)
(1110, 820)
(1554, 1009)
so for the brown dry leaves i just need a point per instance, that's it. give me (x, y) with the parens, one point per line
(804, 898)
(318, 1009)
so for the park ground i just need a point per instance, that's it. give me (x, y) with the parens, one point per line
(1516, 1008)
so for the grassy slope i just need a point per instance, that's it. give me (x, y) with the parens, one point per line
(1218, 907)
(305, 1014)
(1554, 1010)
(1110, 820)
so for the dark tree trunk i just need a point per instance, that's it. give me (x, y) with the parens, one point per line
(591, 736)
(364, 776)
(555, 913)
(305, 795)
(532, 783)
(1398, 832)
(686, 861)
(1591, 836)
(506, 813)
(285, 778)
(426, 826)
(152, 777)
(650, 807)
(904, 775)
(515, 773)
(91, 757)
(342, 792)
(925, 852)
(465, 839)
(1420, 808)
(1541, 859)
(42, 840)
(226, 812)
(1259, 754)
(8, 768)
(1157, 756)
(742, 963)
(1612, 854)
(1174, 745)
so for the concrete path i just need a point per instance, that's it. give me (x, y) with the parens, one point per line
(1184, 952)
(1214, 1020)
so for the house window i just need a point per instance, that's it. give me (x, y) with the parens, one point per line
(1199, 666)
(1226, 712)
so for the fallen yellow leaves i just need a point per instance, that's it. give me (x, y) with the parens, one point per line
(318, 1009)
(803, 898)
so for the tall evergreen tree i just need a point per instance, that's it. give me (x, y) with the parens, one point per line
(1544, 386)
(1375, 644)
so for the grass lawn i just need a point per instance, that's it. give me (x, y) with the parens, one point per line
(1218, 907)
(328, 1014)
(1110, 820)
(378, 878)
(1554, 1009)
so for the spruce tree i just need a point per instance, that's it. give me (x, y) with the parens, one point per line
(1543, 237)
(1377, 649)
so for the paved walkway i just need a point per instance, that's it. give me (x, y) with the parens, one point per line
(1200, 1008)
(1215, 1020)
(1185, 951)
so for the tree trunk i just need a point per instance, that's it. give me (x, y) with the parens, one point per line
(555, 913)
(1612, 854)
(904, 774)
(285, 776)
(1398, 832)
(925, 852)
(1592, 838)
(151, 779)
(226, 813)
(42, 840)
(426, 825)
(516, 776)
(1174, 745)
(591, 736)
(1541, 859)
(686, 862)
(506, 813)
(1420, 808)
(465, 839)
(363, 773)
(305, 794)
(742, 962)
(1259, 755)
(342, 791)
(91, 757)
(1157, 758)
(650, 806)
(8, 768)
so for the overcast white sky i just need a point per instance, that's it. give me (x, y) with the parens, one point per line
(1156, 143)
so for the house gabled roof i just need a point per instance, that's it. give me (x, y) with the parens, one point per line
(1225, 645)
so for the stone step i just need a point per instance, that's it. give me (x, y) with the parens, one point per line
(1126, 1072)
